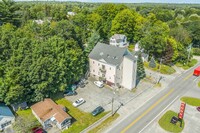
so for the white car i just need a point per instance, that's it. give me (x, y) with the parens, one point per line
(98, 83)
(78, 102)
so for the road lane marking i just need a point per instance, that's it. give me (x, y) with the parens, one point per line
(147, 111)
(159, 114)
(187, 77)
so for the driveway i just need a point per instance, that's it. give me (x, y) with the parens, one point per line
(8, 129)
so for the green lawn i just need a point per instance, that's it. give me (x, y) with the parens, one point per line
(104, 124)
(131, 47)
(25, 113)
(81, 119)
(187, 66)
(26, 117)
(164, 122)
(191, 101)
(164, 68)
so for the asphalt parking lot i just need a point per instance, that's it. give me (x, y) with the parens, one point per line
(95, 96)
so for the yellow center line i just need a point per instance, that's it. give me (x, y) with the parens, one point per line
(147, 111)
(187, 77)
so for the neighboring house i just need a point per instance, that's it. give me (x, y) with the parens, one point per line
(116, 66)
(71, 14)
(40, 21)
(6, 116)
(137, 49)
(48, 112)
(119, 40)
(23, 105)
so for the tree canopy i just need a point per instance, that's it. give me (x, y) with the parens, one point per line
(42, 46)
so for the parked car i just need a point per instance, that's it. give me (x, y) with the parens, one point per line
(82, 85)
(37, 130)
(198, 108)
(78, 102)
(97, 111)
(72, 87)
(99, 84)
(70, 93)
(82, 82)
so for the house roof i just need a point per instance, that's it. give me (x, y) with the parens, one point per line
(118, 36)
(20, 105)
(47, 109)
(5, 110)
(108, 54)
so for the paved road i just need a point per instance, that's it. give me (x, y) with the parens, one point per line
(137, 121)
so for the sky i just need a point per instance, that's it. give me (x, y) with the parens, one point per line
(129, 1)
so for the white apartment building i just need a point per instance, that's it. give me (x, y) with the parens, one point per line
(115, 65)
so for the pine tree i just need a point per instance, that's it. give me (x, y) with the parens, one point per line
(92, 41)
(140, 68)
(152, 63)
(169, 52)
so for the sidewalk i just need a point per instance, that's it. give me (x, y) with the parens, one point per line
(191, 116)
(143, 94)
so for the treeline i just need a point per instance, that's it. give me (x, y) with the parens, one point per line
(38, 59)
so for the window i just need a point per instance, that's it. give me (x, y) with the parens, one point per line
(110, 68)
(103, 66)
(93, 62)
(98, 73)
(109, 77)
(98, 64)
(93, 70)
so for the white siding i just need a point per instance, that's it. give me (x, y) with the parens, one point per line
(129, 74)
(119, 44)
(95, 70)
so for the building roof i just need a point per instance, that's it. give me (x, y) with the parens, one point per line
(23, 105)
(109, 54)
(5, 110)
(130, 57)
(47, 109)
(118, 36)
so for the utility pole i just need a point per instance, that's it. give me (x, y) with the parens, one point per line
(190, 48)
(112, 105)
(160, 65)
(159, 71)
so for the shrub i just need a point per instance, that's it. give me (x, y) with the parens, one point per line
(196, 51)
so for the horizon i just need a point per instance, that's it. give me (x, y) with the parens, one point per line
(123, 1)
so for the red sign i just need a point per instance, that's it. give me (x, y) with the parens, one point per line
(182, 110)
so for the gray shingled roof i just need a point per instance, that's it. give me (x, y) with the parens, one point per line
(108, 53)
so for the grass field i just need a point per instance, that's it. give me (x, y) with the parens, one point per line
(164, 68)
(81, 120)
(191, 101)
(104, 124)
(164, 122)
(187, 65)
